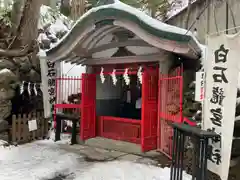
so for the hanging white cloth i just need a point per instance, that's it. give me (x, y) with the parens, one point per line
(138, 104)
(128, 96)
(21, 87)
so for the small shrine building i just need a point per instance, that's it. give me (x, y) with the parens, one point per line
(133, 83)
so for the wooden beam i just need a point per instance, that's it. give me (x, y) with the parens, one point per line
(80, 51)
(93, 39)
(81, 62)
(72, 59)
(67, 59)
(78, 61)
(100, 35)
(135, 42)
(127, 59)
(89, 39)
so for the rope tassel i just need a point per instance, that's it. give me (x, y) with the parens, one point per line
(114, 78)
(21, 87)
(102, 75)
(35, 89)
(126, 77)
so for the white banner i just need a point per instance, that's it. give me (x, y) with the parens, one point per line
(199, 86)
(220, 99)
(48, 75)
(44, 78)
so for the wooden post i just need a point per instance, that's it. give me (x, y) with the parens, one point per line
(24, 126)
(38, 119)
(19, 130)
(14, 128)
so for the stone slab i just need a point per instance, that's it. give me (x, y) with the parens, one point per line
(130, 157)
(92, 153)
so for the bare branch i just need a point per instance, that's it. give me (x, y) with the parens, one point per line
(14, 52)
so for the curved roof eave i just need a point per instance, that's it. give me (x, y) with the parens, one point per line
(121, 11)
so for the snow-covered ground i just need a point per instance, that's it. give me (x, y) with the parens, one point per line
(124, 170)
(35, 161)
(44, 160)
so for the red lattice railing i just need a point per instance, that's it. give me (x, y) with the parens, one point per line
(67, 86)
(68, 97)
(170, 108)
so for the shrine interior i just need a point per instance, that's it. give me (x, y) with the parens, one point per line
(120, 100)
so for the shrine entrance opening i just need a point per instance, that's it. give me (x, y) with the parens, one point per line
(124, 111)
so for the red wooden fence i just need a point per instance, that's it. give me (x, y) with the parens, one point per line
(169, 108)
(123, 129)
(68, 96)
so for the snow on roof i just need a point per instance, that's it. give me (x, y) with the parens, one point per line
(141, 15)
(149, 20)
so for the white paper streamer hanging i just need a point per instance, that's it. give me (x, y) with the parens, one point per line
(102, 75)
(29, 88)
(139, 74)
(126, 77)
(35, 89)
(114, 78)
(21, 87)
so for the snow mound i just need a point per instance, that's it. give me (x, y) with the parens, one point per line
(44, 160)
(52, 26)
(124, 170)
(35, 161)
(51, 16)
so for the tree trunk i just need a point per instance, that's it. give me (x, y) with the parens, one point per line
(77, 9)
(27, 31)
(16, 15)
(50, 3)
(21, 52)
(25, 15)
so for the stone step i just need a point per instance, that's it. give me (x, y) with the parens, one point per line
(114, 145)
(121, 146)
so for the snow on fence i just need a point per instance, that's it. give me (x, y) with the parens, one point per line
(21, 132)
